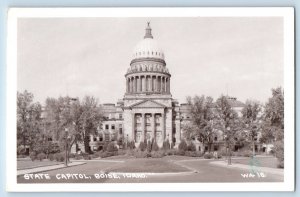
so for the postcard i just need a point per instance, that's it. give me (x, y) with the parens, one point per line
(150, 99)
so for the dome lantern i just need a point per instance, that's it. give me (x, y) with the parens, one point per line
(148, 31)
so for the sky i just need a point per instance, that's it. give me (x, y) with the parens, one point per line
(240, 56)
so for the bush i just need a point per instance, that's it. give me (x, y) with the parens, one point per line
(182, 145)
(191, 147)
(208, 156)
(180, 152)
(112, 147)
(157, 154)
(106, 154)
(279, 153)
(32, 156)
(155, 146)
(149, 145)
(78, 157)
(142, 146)
(60, 157)
(170, 152)
(72, 155)
(141, 154)
(51, 157)
(87, 157)
(166, 145)
(131, 145)
(122, 152)
(21, 156)
(41, 156)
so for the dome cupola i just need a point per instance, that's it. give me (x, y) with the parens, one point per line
(148, 47)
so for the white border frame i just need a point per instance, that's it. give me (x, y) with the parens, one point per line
(289, 85)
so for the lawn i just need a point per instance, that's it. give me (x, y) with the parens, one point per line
(149, 165)
(270, 162)
(26, 164)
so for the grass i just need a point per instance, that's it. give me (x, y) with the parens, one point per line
(147, 165)
(270, 162)
(26, 164)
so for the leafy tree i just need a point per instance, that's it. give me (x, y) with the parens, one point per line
(228, 122)
(201, 125)
(251, 121)
(90, 119)
(28, 119)
(274, 122)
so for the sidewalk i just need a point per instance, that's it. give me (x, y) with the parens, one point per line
(250, 168)
(47, 168)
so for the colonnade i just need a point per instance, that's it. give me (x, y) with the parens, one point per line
(153, 124)
(148, 83)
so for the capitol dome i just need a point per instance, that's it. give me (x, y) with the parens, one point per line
(148, 47)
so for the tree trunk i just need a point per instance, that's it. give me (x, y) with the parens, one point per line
(253, 148)
(86, 144)
(229, 155)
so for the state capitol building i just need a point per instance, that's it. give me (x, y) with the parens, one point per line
(147, 110)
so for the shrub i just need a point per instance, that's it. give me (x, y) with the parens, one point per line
(199, 153)
(155, 146)
(105, 145)
(142, 146)
(279, 153)
(21, 156)
(180, 152)
(149, 145)
(32, 156)
(51, 157)
(157, 154)
(87, 157)
(166, 145)
(78, 157)
(60, 157)
(131, 145)
(41, 156)
(182, 146)
(170, 152)
(106, 154)
(72, 155)
(190, 153)
(191, 147)
(112, 147)
(122, 152)
(208, 156)
(141, 154)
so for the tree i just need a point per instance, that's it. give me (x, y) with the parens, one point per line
(228, 122)
(28, 120)
(274, 122)
(251, 121)
(90, 119)
(201, 125)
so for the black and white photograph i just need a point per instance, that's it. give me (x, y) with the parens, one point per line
(151, 99)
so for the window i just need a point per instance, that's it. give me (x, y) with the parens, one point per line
(216, 138)
(106, 137)
(120, 131)
(113, 126)
(120, 116)
(95, 139)
(106, 126)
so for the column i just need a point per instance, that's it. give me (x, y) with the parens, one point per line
(133, 127)
(165, 87)
(145, 84)
(143, 126)
(161, 84)
(153, 126)
(127, 82)
(169, 84)
(162, 123)
(157, 83)
(150, 83)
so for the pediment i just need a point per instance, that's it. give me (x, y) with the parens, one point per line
(148, 104)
